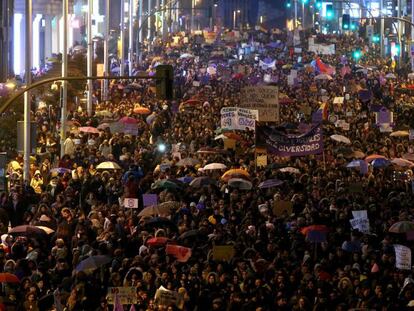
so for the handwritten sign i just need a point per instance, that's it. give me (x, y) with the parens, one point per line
(126, 295)
(402, 257)
(265, 99)
(234, 118)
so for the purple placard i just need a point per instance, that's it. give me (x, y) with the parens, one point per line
(149, 199)
(279, 143)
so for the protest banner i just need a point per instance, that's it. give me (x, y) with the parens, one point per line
(322, 49)
(181, 253)
(265, 66)
(126, 295)
(361, 224)
(263, 98)
(234, 118)
(223, 252)
(165, 297)
(402, 257)
(149, 199)
(130, 203)
(285, 145)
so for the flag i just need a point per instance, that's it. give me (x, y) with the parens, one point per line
(181, 253)
(117, 304)
(324, 68)
(321, 114)
(132, 308)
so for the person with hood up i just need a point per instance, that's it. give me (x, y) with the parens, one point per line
(37, 182)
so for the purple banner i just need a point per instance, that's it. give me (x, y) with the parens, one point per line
(285, 145)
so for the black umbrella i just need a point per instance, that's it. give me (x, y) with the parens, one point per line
(190, 234)
(161, 222)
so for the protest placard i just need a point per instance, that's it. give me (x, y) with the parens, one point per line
(361, 224)
(150, 199)
(265, 99)
(402, 257)
(234, 118)
(130, 203)
(126, 295)
(165, 297)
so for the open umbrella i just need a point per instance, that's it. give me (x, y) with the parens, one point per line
(202, 181)
(186, 55)
(209, 150)
(108, 165)
(358, 154)
(89, 130)
(411, 75)
(400, 134)
(166, 184)
(372, 157)
(341, 139)
(103, 126)
(46, 229)
(27, 230)
(318, 228)
(235, 171)
(323, 76)
(390, 76)
(128, 120)
(93, 262)
(159, 241)
(402, 162)
(186, 179)
(155, 210)
(240, 183)
(188, 162)
(214, 166)
(8, 278)
(270, 183)
(380, 163)
(142, 110)
(408, 156)
(402, 227)
(356, 164)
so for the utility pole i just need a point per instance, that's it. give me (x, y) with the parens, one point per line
(131, 37)
(382, 28)
(90, 57)
(28, 64)
(149, 31)
(295, 20)
(64, 86)
(140, 37)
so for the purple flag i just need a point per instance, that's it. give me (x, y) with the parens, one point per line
(149, 199)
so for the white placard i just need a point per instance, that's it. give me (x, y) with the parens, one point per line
(360, 214)
(130, 203)
(402, 257)
(361, 224)
(234, 118)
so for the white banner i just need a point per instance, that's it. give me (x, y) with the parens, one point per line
(266, 66)
(126, 295)
(234, 118)
(360, 214)
(402, 257)
(323, 49)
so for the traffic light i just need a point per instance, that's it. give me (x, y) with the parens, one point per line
(375, 38)
(318, 4)
(329, 11)
(288, 4)
(354, 26)
(164, 82)
(304, 1)
(346, 21)
(357, 55)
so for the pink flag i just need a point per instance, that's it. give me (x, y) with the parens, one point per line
(181, 253)
(117, 304)
(132, 308)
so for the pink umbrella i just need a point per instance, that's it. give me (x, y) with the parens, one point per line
(128, 120)
(89, 129)
(402, 162)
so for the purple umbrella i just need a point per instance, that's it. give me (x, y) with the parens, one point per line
(270, 183)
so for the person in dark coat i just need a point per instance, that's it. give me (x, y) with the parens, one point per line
(15, 209)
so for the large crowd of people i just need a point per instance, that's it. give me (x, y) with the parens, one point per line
(193, 240)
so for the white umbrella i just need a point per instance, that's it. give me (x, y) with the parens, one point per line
(362, 70)
(290, 169)
(186, 55)
(46, 229)
(390, 76)
(221, 136)
(108, 165)
(214, 166)
(402, 162)
(341, 139)
(411, 75)
(323, 76)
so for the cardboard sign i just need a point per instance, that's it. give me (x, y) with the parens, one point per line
(166, 297)
(282, 207)
(223, 252)
(126, 295)
(261, 160)
(402, 257)
(130, 203)
(265, 99)
(234, 118)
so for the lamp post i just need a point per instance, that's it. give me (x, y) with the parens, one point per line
(192, 15)
(234, 19)
(149, 32)
(382, 28)
(122, 35)
(105, 93)
(28, 65)
(131, 36)
(90, 57)
(63, 117)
